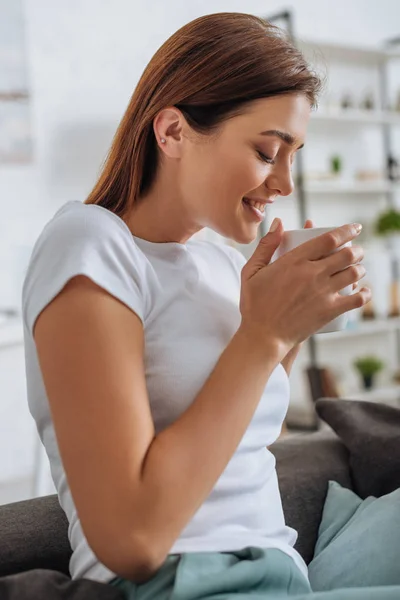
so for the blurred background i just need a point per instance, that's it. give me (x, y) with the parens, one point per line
(67, 71)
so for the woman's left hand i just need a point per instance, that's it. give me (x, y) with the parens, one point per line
(290, 357)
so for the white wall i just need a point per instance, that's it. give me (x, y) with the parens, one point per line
(84, 59)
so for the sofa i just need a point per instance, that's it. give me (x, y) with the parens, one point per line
(34, 549)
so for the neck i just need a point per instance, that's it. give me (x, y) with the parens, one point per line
(161, 216)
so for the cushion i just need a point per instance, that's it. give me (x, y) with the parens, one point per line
(371, 433)
(358, 541)
(43, 584)
(305, 463)
(34, 535)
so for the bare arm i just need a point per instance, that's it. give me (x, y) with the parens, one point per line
(135, 491)
(287, 362)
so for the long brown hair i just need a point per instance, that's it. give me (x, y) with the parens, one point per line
(209, 69)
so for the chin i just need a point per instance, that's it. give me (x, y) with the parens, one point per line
(244, 237)
(240, 235)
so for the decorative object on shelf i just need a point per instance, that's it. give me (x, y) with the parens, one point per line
(368, 366)
(336, 164)
(318, 176)
(394, 310)
(347, 101)
(368, 311)
(393, 168)
(368, 102)
(369, 175)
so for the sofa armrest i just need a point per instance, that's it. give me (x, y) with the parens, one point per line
(305, 463)
(34, 535)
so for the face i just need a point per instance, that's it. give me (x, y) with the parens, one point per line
(251, 157)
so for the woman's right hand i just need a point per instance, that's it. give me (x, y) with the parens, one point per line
(290, 299)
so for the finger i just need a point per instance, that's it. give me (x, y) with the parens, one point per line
(355, 286)
(350, 255)
(352, 301)
(347, 277)
(323, 245)
(308, 224)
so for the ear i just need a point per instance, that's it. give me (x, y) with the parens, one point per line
(169, 125)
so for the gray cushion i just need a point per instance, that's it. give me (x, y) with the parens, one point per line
(371, 433)
(41, 584)
(305, 463)
(34, 535)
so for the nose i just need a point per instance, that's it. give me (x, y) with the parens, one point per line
(280, 180)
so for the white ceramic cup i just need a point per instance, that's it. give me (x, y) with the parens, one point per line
(295, 237)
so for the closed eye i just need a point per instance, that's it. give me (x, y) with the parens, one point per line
(265, 158)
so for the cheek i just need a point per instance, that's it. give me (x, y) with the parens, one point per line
(246, 173)
(217, 176)
(231, 175)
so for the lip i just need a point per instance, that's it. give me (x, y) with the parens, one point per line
(261, 200)
(255, 213)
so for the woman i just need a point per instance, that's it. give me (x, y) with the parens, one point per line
(157, 364)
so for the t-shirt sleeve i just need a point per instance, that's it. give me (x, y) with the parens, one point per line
(84, 242)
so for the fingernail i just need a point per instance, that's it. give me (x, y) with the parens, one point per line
(274, 225)
(357, 227)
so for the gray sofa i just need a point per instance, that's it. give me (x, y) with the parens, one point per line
(33, 533)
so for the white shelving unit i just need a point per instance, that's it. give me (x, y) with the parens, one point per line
(345, 52)
(389, 395)
(314, 190)
(350, 187)
(365, 55)
(353, 115)
(362, 328)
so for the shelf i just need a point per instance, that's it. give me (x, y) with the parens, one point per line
(389, 395)
(348, 52)
(373, 327)
(355, 115)
(349, 187)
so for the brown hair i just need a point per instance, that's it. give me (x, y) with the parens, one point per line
(209, 69)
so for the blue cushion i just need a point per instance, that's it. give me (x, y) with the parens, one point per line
(358, 541)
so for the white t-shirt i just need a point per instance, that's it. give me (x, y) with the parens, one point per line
(187, 296)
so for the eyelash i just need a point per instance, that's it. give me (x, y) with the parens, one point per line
(265, 159)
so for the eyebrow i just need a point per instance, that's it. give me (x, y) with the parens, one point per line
(283, 135)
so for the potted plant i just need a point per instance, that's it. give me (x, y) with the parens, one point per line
(368, 366)
(388, 226)
(336, 164)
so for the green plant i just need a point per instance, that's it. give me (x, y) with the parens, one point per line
(388, 222)
(368, 365)
(336, 163)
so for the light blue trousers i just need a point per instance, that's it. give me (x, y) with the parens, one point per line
(251, 573)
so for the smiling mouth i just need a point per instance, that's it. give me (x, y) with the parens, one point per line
(256, 213)
(258, 204)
